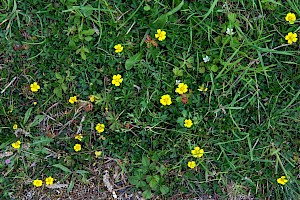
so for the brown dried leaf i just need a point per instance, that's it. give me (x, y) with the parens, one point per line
(57, 186)
(6, 154)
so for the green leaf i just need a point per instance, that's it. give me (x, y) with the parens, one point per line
(83, 56)
(154, 181)
(214, 68)
(162, 170)
(174, 10)
(88, 38)
(134, 180)
(37, 119)
(71, 185)
(147, 194)
(231, 18)
(145, 161)
(202, 70)
(27, 115)
(84, 49)
(64, 87)
(58, 76)
(164, 189)
(78, 51)
(58, 92)
(82, 172)
(179, 99)
(87, 10)
(161, 21)
(184, 113)
(77, 19)
(152, 166)
(133, 60)
(147, 7)
(88, 32)
(177, 71)
(63, 168)
(42, 141)
(180, 120)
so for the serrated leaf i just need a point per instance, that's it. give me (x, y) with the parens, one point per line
(147, 194)
(134, 180)
(58, 76)
(63, 168)
(164, 189)
(64, 87)
(177, 71)
(88, 32)
(154, 181)
(231, 17)
(133, 60)
(145, 161)
(27, 115)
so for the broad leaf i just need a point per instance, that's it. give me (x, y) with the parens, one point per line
(27, 115)
(65, 169)
(133, 60)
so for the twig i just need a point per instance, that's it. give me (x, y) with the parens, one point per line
(11, 82)
(80, 125)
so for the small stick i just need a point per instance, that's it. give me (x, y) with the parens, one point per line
(8, 85)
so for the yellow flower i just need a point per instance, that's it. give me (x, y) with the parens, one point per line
(202, 88)
(98, 153)
(117, 79)
(73, 100)
(165, 100)
(92, 98)
(49, 180)
(118, 48)
(182, 88)
(191, 164)
(37, 183)
(15, 126)
(188, 123)
(161, 35)
(34, 103)
(34, 87)
(197, 152)
(77, 147)
(291, 37)
(291, 18)
(16, 144)
(78, 137)
(100, 128)
(282, 180)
